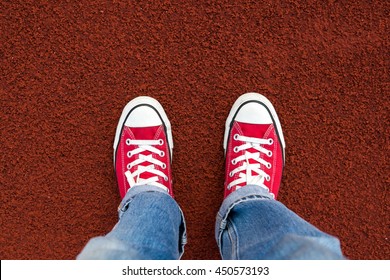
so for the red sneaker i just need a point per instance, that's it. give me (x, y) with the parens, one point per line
(143, 146)
(254, 145)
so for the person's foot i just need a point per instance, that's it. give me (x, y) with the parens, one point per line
(254, 145)
(143, 146)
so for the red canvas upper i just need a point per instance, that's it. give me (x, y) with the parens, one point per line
(263, 131)
(122, 159)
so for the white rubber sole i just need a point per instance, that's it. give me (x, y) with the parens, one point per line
(139, 101)
(247, 97)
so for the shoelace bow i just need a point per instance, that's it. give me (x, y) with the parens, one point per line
(134, 178)
(247, 169)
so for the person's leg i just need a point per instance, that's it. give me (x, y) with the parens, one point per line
(251, 224)
(151, 224)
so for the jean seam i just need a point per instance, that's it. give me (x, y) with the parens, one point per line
(233, 236)
(124, 206)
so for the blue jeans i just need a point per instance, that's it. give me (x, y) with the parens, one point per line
(250, 225)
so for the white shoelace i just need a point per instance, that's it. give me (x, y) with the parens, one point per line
(134, 178)
(246, 169)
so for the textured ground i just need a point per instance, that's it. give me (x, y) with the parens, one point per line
(69, 67)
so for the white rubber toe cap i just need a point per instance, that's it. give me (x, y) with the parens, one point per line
(143, 116)
(253, 113)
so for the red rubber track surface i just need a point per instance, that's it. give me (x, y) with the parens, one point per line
(69, 67)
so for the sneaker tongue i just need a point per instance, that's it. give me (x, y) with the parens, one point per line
(254, 130)
(145, 133)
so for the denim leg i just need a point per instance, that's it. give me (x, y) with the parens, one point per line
(151, 226)
(252, 225)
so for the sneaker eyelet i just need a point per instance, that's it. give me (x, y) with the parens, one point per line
(270, 141)
(235, 149)
(269, 154)
(269, 165)
(128, 142)
(230, 174)
(234, 162)
(128, 154)
(164, 166)
(128, 166)
(166, 178)
(162, 154)
(160, 142)
(235, 136)
(268, 178)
